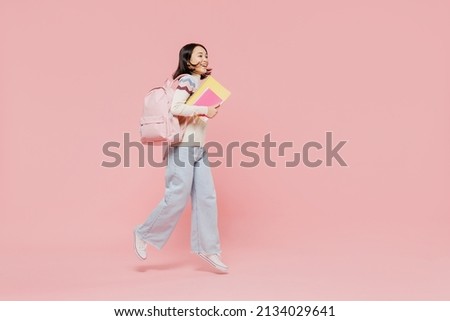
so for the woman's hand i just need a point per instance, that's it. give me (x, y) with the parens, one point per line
(212, 111)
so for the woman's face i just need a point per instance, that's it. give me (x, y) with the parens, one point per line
(199, 60)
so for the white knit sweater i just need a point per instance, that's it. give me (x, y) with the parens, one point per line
(188, 115)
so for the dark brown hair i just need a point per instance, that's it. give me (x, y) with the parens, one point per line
(184, 58)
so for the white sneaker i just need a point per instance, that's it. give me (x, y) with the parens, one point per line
(140, 246)
(215, 261)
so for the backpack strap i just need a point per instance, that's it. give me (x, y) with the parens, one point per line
(170, 83)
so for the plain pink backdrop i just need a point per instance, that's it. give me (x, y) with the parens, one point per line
(375, 73)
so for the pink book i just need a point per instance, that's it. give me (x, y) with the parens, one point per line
(210, 93)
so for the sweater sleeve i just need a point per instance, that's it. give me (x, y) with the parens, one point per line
(186, 86)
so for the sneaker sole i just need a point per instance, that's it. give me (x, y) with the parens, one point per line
(217, 267)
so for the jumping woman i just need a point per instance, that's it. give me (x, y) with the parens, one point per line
(188, 172)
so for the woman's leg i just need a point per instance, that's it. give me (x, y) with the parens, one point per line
(160, 224)
(204, 229)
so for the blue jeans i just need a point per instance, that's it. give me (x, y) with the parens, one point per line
(187, 174)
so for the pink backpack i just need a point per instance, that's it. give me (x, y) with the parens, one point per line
(158, 124)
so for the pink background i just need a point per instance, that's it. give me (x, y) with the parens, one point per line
(375, 73)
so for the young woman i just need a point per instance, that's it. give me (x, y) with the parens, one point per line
(188, 172)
